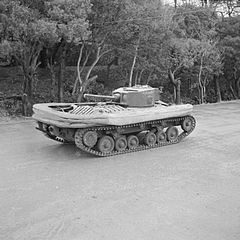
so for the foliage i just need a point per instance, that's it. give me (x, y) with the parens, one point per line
(229, 34)
(26, 32)
(226, 8)
(190, 50)
(70, 18)
(5, 53)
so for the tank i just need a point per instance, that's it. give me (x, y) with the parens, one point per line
(131, 119)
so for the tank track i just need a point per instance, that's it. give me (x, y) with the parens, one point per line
(169, 121)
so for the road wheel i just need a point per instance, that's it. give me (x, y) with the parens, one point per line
(78, 137)
(187, 124)
(105, 144)
(90, 138)
(172, 133)
(161, 136)
(121, 143)
(132, 142)
(150, 139)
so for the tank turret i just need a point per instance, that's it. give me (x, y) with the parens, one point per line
(136, 96)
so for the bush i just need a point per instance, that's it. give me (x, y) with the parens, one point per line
(11, 107)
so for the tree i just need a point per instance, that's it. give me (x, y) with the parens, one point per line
(139, 33)
(26, 32)
(158, 49)
(130, 41)
(208, 64)
(229, 34)
(227, 8)
(180, 56)
(199, 36)
(72, 29)
(103, 19)
(29, 26)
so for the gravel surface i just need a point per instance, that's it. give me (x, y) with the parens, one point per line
(186, 191)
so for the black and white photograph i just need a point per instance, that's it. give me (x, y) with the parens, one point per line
(120, 119)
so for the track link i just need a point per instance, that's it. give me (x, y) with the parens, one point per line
(169, 121)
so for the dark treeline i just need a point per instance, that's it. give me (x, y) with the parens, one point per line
(192, 51)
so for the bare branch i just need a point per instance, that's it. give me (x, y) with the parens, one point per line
(78, 64)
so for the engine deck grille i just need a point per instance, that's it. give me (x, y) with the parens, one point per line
(89, 110)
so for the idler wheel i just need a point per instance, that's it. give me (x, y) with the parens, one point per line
(105, 144)
(187, 124)
(172, 133)
(150, 139)
(132, 142)
(121, 143)
(161, 136)
(90, 138)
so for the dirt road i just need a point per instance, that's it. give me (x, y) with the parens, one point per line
(181, 192)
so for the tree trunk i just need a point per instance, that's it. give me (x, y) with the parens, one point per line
(53, 86)
(27, 91)
(133, 64)
(26, 105)
(136, 77)
(178, 92)
(84, 86)
(62, 68)
(237, 83)
(201, 89)
(140, 76)
(87, 78)
(28, 85)
(149, 76)
(51, 62)
(81, 92)
(217, 89)
(232, 91)
(29, 64)
(176, 87)
(174, 93)
(78, 79)
(175, 4)
(201, 94)
(27, 94)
